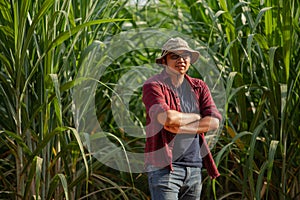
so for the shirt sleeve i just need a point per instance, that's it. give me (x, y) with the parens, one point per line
(207, 104)
(154, 99)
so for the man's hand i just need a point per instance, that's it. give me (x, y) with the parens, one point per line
(172, 129)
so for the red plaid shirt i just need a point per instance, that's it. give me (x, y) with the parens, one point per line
(159, 97)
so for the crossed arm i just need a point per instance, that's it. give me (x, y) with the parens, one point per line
(190, 123)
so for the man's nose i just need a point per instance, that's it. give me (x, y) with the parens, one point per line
(181, 59)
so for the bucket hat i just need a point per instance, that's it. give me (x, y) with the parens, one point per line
(177, 44)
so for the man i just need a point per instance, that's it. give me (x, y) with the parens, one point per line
(179, 110)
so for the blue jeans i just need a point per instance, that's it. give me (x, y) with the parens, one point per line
(182, 183)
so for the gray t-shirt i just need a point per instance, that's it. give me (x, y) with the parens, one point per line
(186, 149)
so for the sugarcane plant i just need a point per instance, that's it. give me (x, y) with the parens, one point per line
(45, 46)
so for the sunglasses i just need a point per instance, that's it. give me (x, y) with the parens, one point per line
(185, 56)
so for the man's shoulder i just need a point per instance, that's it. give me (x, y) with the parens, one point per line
(157, 78)
(196, 82)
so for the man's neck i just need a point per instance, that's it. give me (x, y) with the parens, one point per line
(176, 77)
(177, 80)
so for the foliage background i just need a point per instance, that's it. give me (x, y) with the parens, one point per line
(255, 45)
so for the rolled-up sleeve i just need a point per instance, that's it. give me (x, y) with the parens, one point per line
(154, 99)
(207, 104)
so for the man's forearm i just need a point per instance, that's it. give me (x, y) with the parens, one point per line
(201, 126)
(176, 118)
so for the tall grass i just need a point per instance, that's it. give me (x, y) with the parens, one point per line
(255, 45)
(42, 155)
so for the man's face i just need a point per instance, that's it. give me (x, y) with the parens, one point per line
(179, 61)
